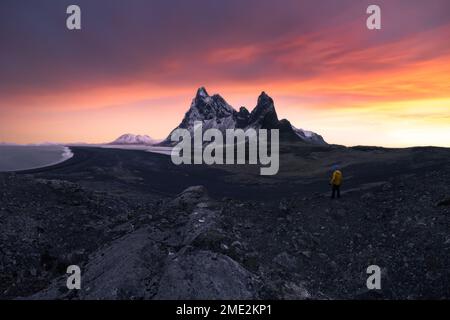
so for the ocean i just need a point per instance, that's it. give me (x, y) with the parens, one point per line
(17, 157)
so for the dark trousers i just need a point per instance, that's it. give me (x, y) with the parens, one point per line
(335, 189)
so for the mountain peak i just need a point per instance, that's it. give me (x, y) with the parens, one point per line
(201, 92)
(264, 97)
(206, 108)
(134, 139)
(264, 114)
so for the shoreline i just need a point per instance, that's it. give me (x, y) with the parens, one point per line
(66, 155)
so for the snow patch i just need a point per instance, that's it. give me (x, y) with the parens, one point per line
(133, 139)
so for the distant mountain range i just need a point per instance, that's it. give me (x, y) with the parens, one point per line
(214, 112)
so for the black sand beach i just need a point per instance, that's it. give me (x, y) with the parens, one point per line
(135, 170)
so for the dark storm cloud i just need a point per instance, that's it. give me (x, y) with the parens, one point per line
(121, 39)
(169, 41)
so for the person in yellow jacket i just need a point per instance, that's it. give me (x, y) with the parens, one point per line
(336, 181)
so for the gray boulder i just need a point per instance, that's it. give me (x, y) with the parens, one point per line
(206, 275)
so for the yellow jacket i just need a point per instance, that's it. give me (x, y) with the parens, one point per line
(336, 179)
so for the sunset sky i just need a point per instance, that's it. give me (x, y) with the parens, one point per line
(136, 65)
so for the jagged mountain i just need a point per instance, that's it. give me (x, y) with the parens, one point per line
(214, 112)
(264, 115)
(133, 139)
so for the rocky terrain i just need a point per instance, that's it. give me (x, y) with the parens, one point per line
(137, 243)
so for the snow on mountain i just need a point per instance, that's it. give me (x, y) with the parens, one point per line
(215, 112)
(133, 139)
(309, 136)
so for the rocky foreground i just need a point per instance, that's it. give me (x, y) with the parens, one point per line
(196, 247)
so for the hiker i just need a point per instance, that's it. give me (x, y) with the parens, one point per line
(336, 181)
